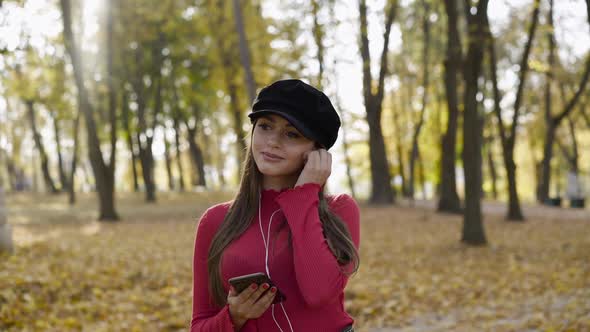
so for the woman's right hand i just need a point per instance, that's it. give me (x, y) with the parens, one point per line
(250, 303)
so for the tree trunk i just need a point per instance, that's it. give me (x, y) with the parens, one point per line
(72, 187)
(400, 151)
(10, 171)
(238, 123)
(508, 142)
(146, 159)
(244, 51)
(144, 136)
(112, 95)
(35, 173)
(550, 128)
(6, 244)
(230, 73)
(473, 230)
(220, 162)
(508, 139)
(553, 122)
(129, 140)
(492, 169)
(418, 127)
(176, 115)
(2, 162)
(574, 160)
(381, 192)
(573, 157)
(413, 157)
(178, 154)
(449, 199)
(103, 174)
(158, 61)
(548, 140)
(421, 175)
(62, 174)
(41, 148)
(168, 163)
(585, 116)
(318, 36)
(381, 188)
(196, 155)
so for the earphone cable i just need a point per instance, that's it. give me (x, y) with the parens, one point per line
(266, 241)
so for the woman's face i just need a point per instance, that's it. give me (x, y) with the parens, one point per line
(278, 148)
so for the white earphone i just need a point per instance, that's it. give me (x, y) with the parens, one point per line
(266, 241)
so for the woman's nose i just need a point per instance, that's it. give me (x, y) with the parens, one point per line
(273, 139)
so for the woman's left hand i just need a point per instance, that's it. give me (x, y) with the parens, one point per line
(317, 169)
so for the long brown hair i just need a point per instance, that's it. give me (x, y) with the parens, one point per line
(243, 210)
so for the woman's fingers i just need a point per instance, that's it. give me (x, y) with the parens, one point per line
(256, 294)
(246, 293)
(265, 301)
(314, 160)
(325, 161)
(317, 169)
(251, 302)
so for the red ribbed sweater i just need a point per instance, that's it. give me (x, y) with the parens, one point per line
(305, 271)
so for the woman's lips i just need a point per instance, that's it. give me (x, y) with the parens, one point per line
(271, 157)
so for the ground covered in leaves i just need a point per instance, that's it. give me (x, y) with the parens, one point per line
(70, 273)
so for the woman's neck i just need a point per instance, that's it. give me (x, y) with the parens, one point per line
(278, 183)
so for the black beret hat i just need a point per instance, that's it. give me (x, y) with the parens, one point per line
(305, 107)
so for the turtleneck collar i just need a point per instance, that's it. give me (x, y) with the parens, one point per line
(271, 194)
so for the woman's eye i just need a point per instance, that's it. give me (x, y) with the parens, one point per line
(264, 126)
(291, 134)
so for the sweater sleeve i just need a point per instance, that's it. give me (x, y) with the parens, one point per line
(206, 317)
(319, 276)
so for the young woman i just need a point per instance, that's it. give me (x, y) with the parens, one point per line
(281, 224)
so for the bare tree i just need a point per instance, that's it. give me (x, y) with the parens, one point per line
(585, 116)
(381, 189)
(399, 149)
(129, 138)
(418, 127)
(103, 173)
(508, 140)
(449, 200)
(488, 144)
(168, 163)
(553, 121)
(178, 153)
(40, 147)
(5, 229)
(60, 164)
(144, 135)
(473, 231)
(71, 182)
(195, 149)
(225, 46)
(244, 51)
(318, 36)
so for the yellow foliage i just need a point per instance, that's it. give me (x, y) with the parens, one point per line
(415, 275)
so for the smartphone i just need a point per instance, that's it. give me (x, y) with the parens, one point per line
(242, 282)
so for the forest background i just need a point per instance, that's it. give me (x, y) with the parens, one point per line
(126, 119)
